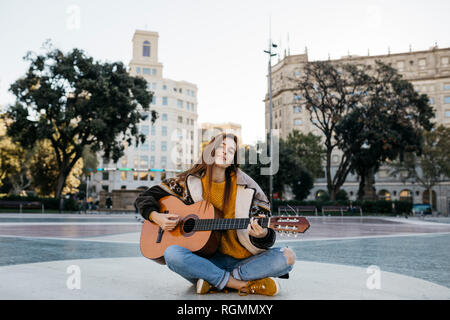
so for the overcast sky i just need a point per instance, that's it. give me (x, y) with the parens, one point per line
(218, 45)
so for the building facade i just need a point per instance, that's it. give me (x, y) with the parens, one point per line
(170, 142)
(209, 130)
(428, 71)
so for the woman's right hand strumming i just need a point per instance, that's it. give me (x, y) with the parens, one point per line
(167, 221)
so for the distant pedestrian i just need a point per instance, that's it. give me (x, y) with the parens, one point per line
(109, 203)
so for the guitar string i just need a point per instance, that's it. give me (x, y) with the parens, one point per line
(224, 224)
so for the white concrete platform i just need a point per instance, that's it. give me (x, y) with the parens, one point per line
(140, 278)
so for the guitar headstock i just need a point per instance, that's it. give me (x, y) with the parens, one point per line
(292, 224)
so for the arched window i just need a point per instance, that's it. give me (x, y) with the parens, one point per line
(384, 195)
(406, 195)
(426, 198)
(146, 49)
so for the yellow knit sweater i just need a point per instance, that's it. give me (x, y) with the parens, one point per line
(229, 242)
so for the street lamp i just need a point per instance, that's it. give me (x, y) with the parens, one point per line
(269, 52)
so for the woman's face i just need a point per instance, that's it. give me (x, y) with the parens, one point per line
(225, 153)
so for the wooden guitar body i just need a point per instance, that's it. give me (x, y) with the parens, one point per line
(204, 243)
(199, 228)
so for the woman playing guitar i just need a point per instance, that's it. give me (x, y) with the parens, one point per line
(245, 259)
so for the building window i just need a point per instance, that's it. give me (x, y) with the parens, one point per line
(431, 101)
(106, 188)
(135, 176)
(144, 130)
(180, 119)
(153, 100)
(138, 70)
(144, 176)
(297, 109)
(164, 101)
(444, 61)
(146, 49)
(163, 146)
(154, 85)
(144, 146)
(447, 114)
(144, 162)
(406, 195)
(164, 87)
(384, 195)
(123, 176)
(152, 161)
(180, 103)
(422, 63)
(447, 86)
(164, 131)
(152, 146)
(297, 122)
(154, 72)
(400, 65)
(163, 161)
(153, 130)
(164, 116)
(447, 99)
(105, 175)
(146, 71)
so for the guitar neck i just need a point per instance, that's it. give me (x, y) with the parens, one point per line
(227, 224)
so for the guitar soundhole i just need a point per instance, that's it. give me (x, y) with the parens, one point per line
(188, 225)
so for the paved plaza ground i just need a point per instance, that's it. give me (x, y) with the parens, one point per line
(337, 258)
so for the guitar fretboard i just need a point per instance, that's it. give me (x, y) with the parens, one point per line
(226, 224)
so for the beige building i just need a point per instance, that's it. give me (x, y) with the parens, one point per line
(170, 141)
(428, 71)
(208, 130)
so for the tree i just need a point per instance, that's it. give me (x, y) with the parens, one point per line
(291, 172)
(15, 175)
(73, 101)
(44, 171)
(329, 92)
(387, 125)
(432, 165)
(308, 148)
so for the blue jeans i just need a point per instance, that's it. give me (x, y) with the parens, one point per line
(218, 268)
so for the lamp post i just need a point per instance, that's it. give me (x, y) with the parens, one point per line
(269, 52)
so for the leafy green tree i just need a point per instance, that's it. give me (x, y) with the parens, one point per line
(73, 101)
(432, 165)
(386, 126)
(328, 92)
(308, 148)
(291, 172)
(369, 114)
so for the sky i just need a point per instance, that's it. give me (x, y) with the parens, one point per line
(219, 45)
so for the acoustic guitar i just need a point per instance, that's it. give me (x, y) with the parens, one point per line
(198, 228)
